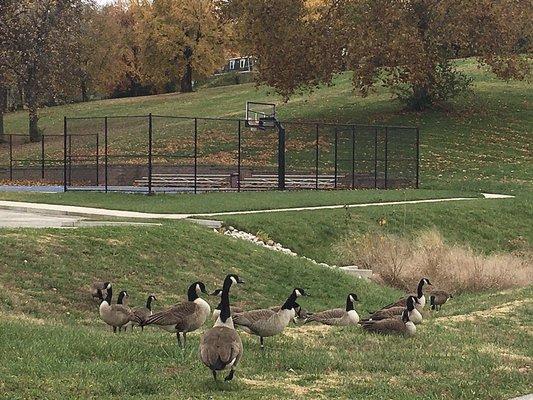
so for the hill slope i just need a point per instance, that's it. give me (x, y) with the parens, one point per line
(476, 347)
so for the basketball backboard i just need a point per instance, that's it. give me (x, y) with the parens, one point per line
(260, 115)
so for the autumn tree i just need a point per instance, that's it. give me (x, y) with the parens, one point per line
(409, 46)
(107, 49)
(180, 40)
(38, 48)
(294, 41)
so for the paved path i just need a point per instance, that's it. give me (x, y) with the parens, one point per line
(16, 219)
(526, 397)
(62, 210)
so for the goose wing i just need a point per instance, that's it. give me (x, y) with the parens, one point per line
(327, 315)
(386, 313)
(173, 316)
(400, 302)
(219, 347)
(142, 313)
(249, 318)
(125, 312)
(389, 325)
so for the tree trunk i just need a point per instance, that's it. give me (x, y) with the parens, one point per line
(186, 79)
(35, 134)
(3, 105)
(420, 99)
(83, 87)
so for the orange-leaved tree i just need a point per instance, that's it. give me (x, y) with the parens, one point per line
(294, 41)
(180, 40)
(409, 46)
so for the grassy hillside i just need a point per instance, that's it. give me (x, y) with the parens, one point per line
(485, 225)
(471, 349)
(480, 143)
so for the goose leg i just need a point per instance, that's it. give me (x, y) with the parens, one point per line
(114, 329)
(261, 340)
(214, 374)
(230, 375)
(179, 338)
(184, 339)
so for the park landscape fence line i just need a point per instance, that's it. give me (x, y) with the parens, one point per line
(157, 153)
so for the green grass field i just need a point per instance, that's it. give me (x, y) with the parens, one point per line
(53, 344)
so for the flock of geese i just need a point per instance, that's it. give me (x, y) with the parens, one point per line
(221, 346)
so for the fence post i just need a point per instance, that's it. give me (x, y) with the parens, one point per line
(281, 156)
(353, 157)
(239, 159)
(97, 159)
(386, 157)
(42, 156)
(70, 160)
(376, 158)
(150, 133)
(65, 131)
(195, 155)
(105, 154)
(10, 157)
(336, 155)
(417, 157)
(316, 156)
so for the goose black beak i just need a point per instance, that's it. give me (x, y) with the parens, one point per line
(240, 280)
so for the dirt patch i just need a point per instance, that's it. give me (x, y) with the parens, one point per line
(24, 318)
(307, 333)
(502, 310)
(506, 354)
(290, 384)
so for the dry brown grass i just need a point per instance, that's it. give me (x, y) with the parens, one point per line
(401, 262)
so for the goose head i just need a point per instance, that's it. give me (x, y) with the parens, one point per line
(233, 278)
(298, 292)
(194, 290)
(217, 292)
(350, 301)
(425, 281)
(122, 297)
(411, 302)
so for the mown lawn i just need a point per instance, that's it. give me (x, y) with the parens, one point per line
(53, 345)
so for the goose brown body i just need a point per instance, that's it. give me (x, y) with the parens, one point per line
(184, 317)
(221, 346)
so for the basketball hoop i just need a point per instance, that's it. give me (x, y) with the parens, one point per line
(260, 116)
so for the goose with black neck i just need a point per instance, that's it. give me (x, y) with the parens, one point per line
(221, 346)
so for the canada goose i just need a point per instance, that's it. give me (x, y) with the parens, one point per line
(116, 315)
(221, 346)
(394, 312)
(419, 295)
(338, 316)
(216, 311)
(392, 325)
(437, 298)
(184, 317)
(266, 322)
(143, 312)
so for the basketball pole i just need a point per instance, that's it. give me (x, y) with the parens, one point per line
(281, 155)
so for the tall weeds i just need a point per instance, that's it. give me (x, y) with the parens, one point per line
(401, 262)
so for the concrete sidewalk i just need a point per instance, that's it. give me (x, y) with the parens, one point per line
(70, 211)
